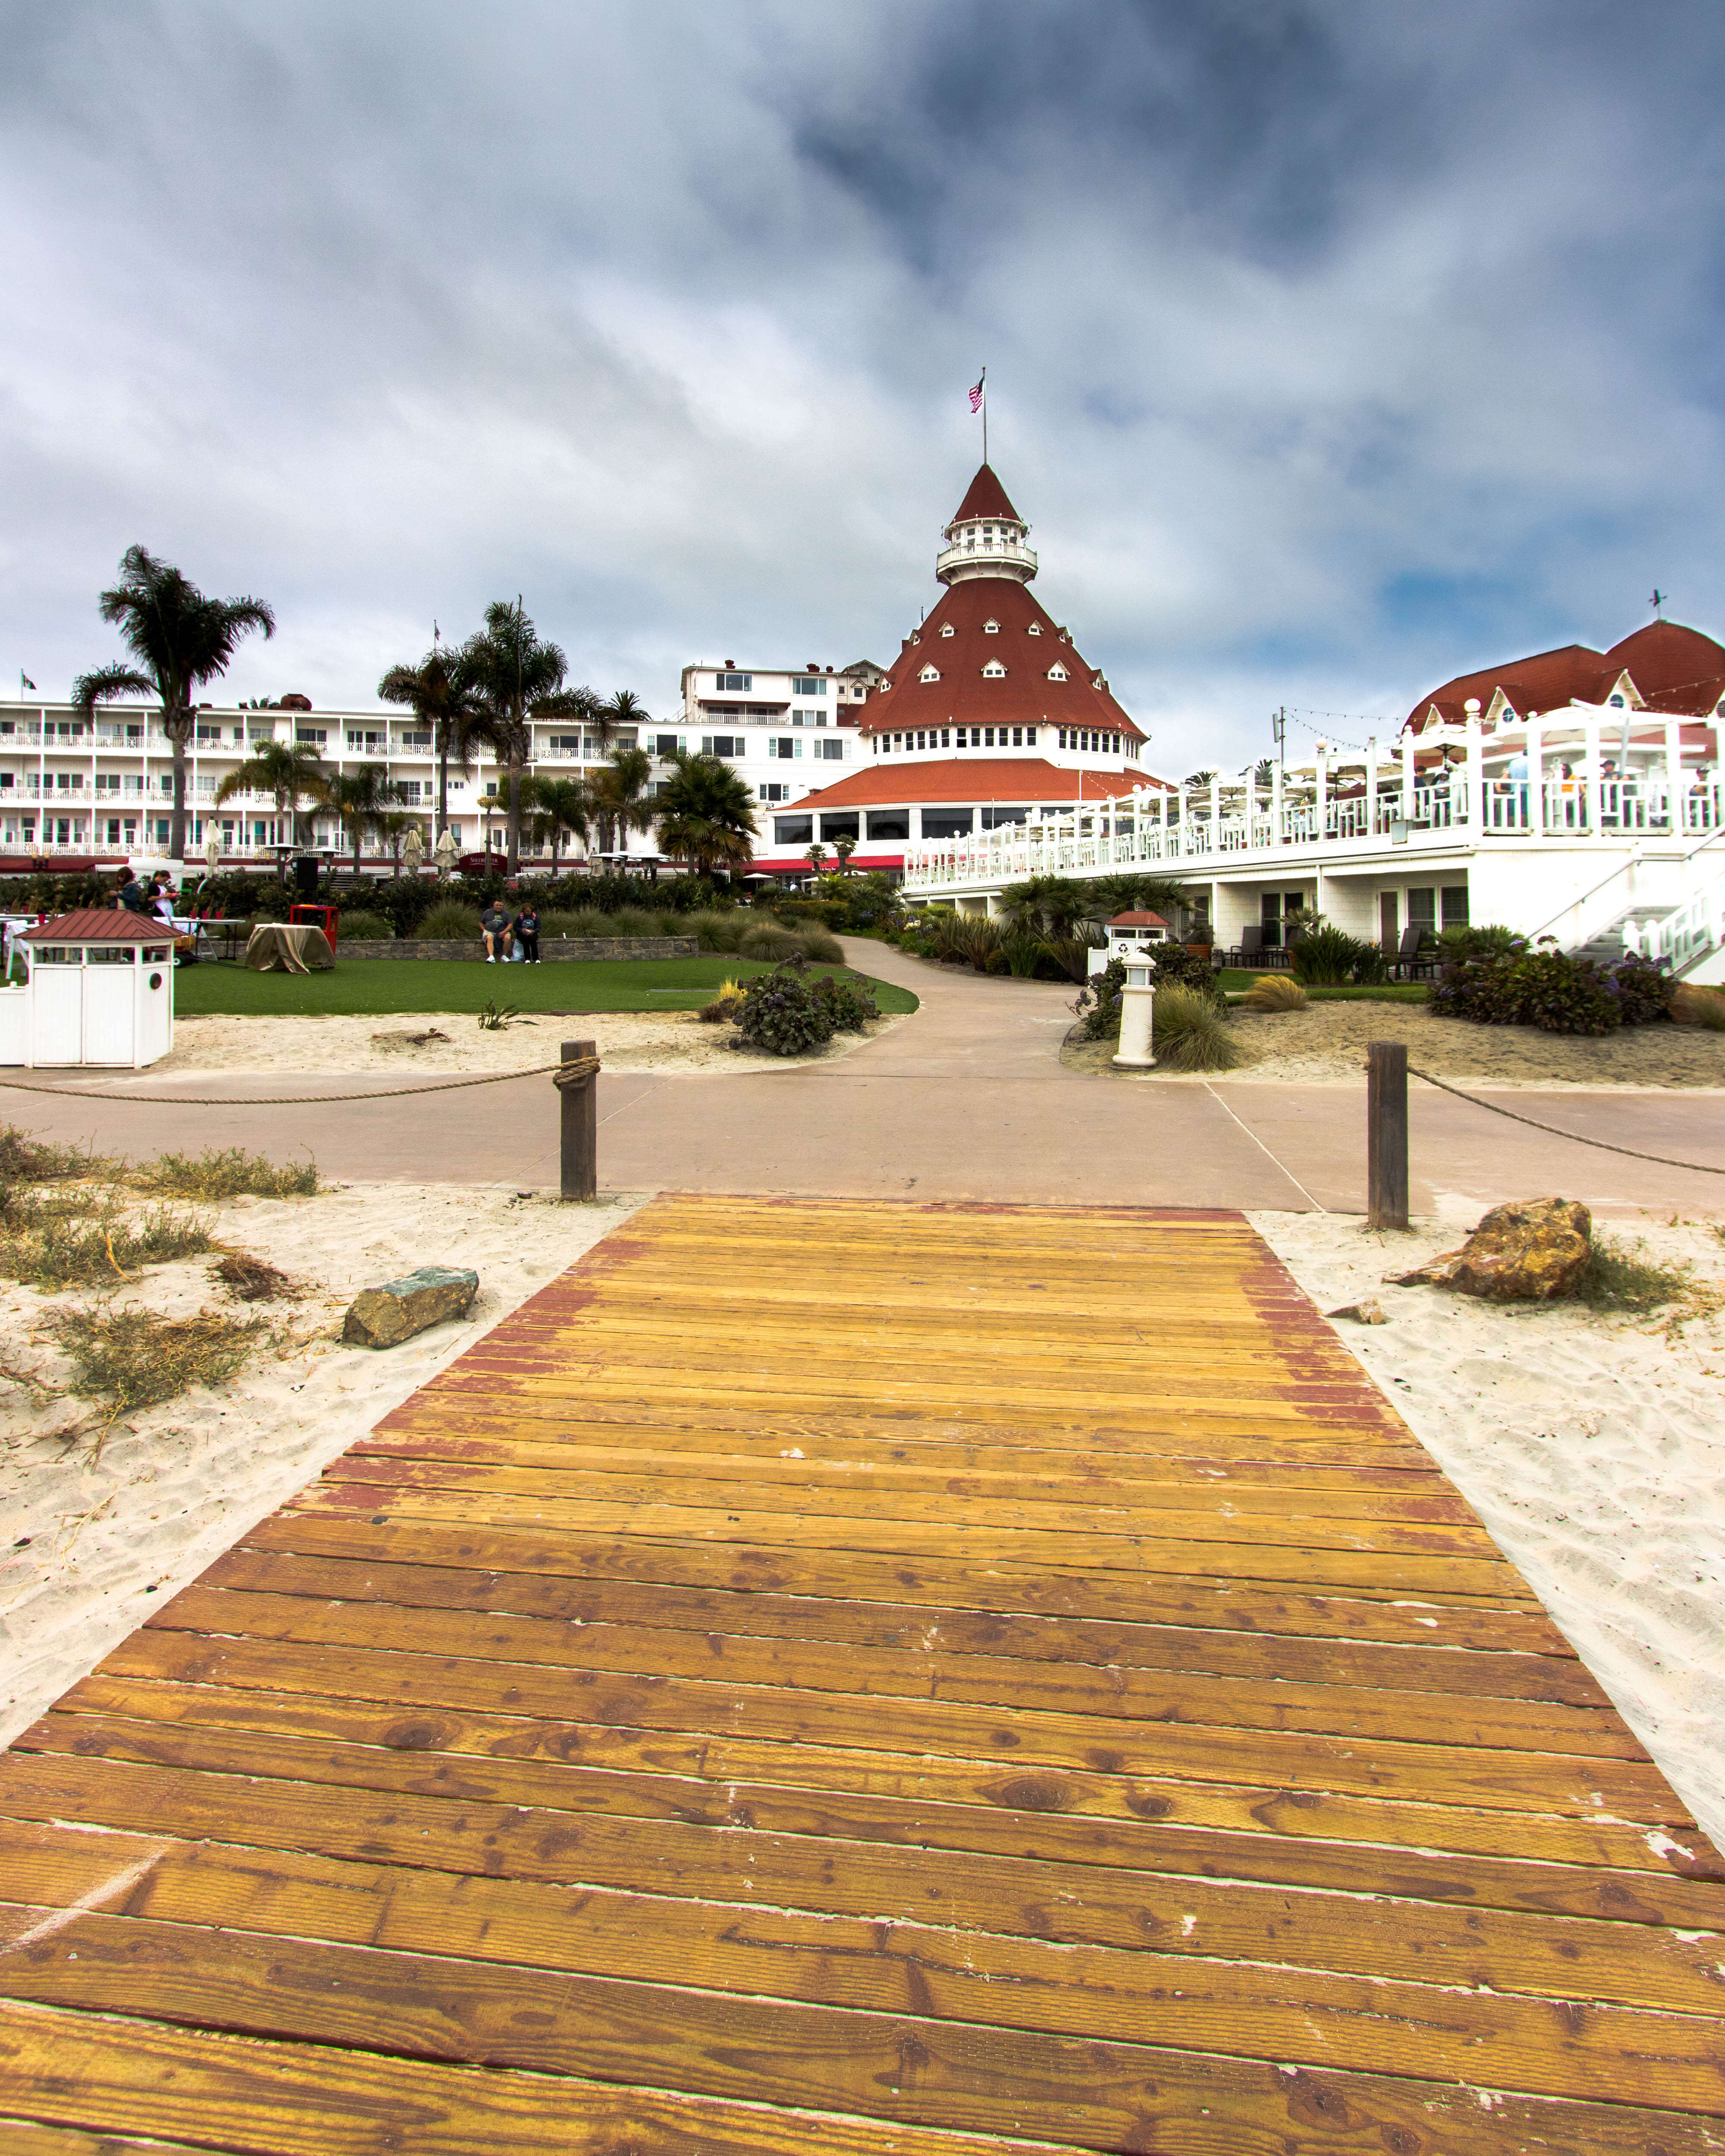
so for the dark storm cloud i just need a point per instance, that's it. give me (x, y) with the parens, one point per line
(1333, 347)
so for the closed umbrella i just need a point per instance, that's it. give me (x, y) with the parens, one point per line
(414, 852)
(447, 851)
(211, 848)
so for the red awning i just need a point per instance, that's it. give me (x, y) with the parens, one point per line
(793, 864)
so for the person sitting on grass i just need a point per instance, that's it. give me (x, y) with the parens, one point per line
(493, 923)
(526, 933)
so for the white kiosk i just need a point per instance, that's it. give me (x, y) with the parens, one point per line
(99, 990)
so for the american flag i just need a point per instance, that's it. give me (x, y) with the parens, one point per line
(976, 394)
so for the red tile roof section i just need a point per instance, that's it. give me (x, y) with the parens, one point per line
(965, 696)
(1019, 781)
(987, 498)
(1675, 670)
(93, 924)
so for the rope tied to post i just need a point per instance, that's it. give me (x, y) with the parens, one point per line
(580, 1072)
(1552, 1130)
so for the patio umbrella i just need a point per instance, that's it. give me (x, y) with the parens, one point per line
(447, 851)
(413, 851)
(212, 848)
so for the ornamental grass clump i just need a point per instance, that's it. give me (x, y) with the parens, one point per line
(136, 1358)
(449, 922)
(1191, 1032)
(362, 927)
(223, 1172)
(77, 1239)
(1275, 992)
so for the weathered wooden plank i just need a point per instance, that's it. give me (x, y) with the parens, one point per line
(1432, 1773)
(1279, 1700)
(1262, 1653)
(1628, 1870)
(942, 1581)
(679, 2036)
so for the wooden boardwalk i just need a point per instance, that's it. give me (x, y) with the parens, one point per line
(854, 1678)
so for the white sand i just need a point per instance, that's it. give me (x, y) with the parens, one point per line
(1593, 1451)
(111, 1538)
(627, 1040)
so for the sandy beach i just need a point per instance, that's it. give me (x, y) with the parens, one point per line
(445, 1043)
(1325, 1043)
(93, 1540)
(1592, 1448)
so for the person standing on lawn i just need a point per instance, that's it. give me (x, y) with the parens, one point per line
(132, 897)
(526, 932)
(493, 923)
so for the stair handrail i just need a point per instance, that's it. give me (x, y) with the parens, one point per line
(1625, 868)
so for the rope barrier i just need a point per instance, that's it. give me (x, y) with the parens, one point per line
(579, 1072)
(1659, 1159)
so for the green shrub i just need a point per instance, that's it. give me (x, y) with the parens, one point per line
(1191, 1032)
(1546, 987)
(634, 921)
(783, 1014)
(1023, 952)
(448, 921)
(1327, 956)
(360, 927)
(1176, 967)
(1071, 954)
(849, 1002)
(229, 1173)
(1098, 1006)
(1644, 991)
(821, 945)
(716, 932)
(1464, 943)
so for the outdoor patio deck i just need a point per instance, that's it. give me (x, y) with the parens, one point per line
(862, 1678)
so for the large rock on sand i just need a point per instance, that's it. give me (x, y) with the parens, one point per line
(1525, 1253)
(384, 1316)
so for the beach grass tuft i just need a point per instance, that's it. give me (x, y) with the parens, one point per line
(220, 1172)
(136, 1358)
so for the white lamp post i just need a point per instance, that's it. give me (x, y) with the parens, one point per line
(1138, 1002)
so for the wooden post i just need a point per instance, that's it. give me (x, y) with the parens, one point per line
(1386, 1134)
(580, 1130)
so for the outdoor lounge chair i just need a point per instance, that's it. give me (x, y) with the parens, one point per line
(1412, 961)
(1252, 951)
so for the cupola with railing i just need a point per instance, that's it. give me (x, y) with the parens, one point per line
(987, 538)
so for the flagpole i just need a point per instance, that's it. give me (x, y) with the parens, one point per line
(985, 415)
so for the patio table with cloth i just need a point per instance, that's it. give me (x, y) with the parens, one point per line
(288, 946)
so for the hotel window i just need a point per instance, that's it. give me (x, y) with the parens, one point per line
(317, 736)
(946, 737)
(724, 745)
(356, 739)
(832, 751)
(806, 718)
(775, 790)
(889, 822)
(667, 745)
(807, 685)
(1453, 899)
(783, 746)
(792, 830)
(738, 682)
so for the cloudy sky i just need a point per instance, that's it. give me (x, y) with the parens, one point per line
(1333, 348)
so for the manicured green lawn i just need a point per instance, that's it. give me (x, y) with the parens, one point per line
(1235, 980)
(431, 985)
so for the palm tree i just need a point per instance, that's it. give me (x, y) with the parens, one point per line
(283, 770)
(705, 815)
(517, 677)
(560, 810)
(440, 693)
(624, 709)
(359, 800)
(392, 828)
(180, 639)
(616, 793)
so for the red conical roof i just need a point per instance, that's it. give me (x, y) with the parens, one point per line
(987, 498)
(1676, 668)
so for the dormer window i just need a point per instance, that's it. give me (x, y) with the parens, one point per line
(1036, 628)
(991, 628)
(994, 671)
(948, 630)
(929, 674)
(1057, 672)
(1616, 703)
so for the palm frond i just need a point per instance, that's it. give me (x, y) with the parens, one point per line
(105, 682)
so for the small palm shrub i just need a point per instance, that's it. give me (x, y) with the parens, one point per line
(1275, 992)
(1071, 954)
(449, 920)
(359, 926)
(1326, 957)
(783, 1016)
(1023, 954)
(1191, 1032)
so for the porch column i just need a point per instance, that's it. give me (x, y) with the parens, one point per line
(1674, 773)
(1321, 806)
(1475, 768)
(1216, 814)
(1407, 778)
(1536, 779)
(1277, 833)
(1593, 793)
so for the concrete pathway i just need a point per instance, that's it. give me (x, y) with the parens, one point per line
(966, 1100)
